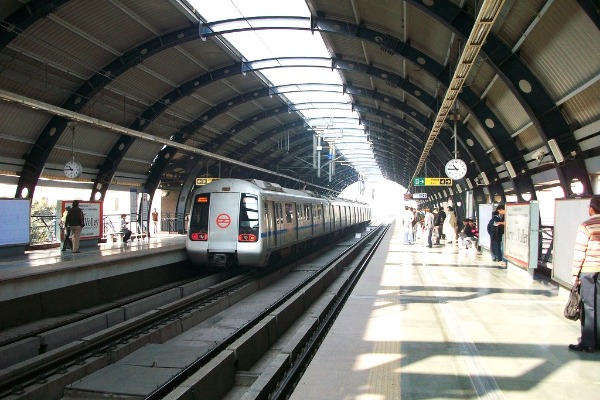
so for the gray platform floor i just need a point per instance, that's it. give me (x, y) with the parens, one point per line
(446, 324)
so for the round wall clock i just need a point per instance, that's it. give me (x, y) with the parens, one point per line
(456, 168)
(73, 169)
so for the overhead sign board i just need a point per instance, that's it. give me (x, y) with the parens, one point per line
(422, 181)
(419, 195)
(205, 181)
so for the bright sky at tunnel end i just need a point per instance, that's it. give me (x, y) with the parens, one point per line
(326, 110)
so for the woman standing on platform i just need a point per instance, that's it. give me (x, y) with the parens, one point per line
(585, 272)
(450, 226)
(75, 220)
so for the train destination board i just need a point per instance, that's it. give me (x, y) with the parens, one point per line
(422, 181)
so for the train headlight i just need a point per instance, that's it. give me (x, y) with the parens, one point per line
(202, 237)
(247, 237)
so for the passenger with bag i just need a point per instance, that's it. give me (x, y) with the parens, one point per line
(67, 242)
(76, 221)
(586, 273)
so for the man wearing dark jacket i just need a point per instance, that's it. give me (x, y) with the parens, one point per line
(438, 222)
(75, 220)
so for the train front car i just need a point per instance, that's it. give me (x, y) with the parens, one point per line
(224, 225)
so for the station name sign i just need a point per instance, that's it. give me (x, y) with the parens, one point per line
(411, 196)
(432, 182)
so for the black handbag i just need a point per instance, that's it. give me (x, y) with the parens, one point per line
(574, 306)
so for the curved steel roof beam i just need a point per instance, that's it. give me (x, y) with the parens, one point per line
(167, 153)
(527, 89)
(51, 133)
(500, 136)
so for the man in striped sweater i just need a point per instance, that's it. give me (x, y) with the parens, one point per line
(585, 272)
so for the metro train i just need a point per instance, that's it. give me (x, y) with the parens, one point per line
(236, 222)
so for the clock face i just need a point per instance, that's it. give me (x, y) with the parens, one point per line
(73, 169)
(456, 168)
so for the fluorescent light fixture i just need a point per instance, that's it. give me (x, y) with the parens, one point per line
(484, 178)
(469, 183)
(558, 156)
(510, 169)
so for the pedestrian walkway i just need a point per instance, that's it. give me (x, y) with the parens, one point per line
(446, 324)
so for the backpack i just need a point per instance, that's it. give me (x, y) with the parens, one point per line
(490, 226)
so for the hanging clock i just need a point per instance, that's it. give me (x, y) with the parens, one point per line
(456, 168)
(73, 169)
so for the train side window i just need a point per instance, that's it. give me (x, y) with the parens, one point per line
(289, 212)
(307, 212)
(199, 215)
(249, 214)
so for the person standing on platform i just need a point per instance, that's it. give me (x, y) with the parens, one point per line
(438, 221)
(497, 233)
(75, 220)
(585, 272)
(407, 225)
(450, 226)
(428, 225)
(66, 230)
(155, 220)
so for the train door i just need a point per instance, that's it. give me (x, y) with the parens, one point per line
(223, 222)
(279, 238)
(270, 224)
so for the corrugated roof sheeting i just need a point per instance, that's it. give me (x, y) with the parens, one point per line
(563, 49)
(50, 42)
(434, 41)
(348, 46)
(386, 15)
(13, 149)
(208, 54)
(26, 76)
(584, 108)
(21, 122)
(216, 92)
(480, 76)
(141, 82)
(174, 66)
(520, 16)
(382, 59)
(502, 102)
(330, 8)
(161, 14)
(529, 139)
(92, 17)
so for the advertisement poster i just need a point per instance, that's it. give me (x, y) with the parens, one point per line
(15, 214)
(521, 234)
(92, 211)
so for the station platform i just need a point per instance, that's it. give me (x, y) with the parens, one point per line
(441, 323)
(44, 283)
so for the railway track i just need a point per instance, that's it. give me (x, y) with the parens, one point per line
(62, 372)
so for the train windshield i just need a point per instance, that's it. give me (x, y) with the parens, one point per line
(248, 218)
(199, 217)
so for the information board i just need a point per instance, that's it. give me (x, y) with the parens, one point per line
(521, 234)
(568, 214)
(16, 219)
(92, 213)
(485, 214)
